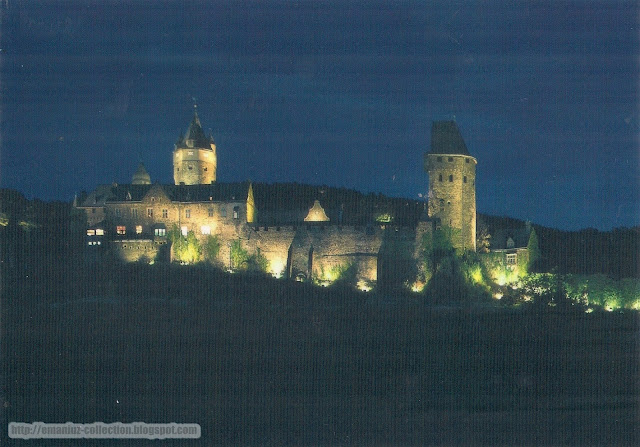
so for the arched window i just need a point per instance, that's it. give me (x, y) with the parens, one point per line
(440, 177)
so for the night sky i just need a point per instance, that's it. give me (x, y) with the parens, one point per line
(336, 93)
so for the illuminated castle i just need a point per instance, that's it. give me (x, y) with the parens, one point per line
(302, 236)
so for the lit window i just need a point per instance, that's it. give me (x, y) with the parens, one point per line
(91, 232)
(187, 213)
(121, 229)
(451, 178)
(223, 211)
(149, 212)
(210, 212)
(512, 259)
(138, 229)
(236, 212)
(165, 213)
(99, 232)
(205, 229)
(184, 230)
(98, 242)
(160, 232)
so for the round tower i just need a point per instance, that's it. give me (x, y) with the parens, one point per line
(194, 156)
(452, 184)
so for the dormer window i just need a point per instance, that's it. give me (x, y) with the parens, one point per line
(510, 243)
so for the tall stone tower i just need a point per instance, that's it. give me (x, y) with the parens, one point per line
(452, 184)
(194, 156)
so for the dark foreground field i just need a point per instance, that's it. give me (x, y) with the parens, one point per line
(303, 372)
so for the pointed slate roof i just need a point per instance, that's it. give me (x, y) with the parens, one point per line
(195, 136)
(446, 139)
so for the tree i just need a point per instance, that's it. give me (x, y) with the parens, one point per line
(211, 248)
(534, 250)
(185, 249)
(483, 238)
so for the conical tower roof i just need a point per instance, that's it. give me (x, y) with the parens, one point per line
(195, 136)
(446, 139)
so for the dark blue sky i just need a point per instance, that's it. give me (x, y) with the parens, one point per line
(337, 93)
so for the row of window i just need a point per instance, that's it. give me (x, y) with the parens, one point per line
(187, 212)
(464, 178)
(160, 232)
(96, 232)
(466, 160)
(191, 169)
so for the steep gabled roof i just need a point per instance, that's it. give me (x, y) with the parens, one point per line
(520, 237)
(446, 139)
(216, 192)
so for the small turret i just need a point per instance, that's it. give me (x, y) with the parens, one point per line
(141, 176)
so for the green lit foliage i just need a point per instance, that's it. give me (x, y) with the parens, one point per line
(211, 248)
(242, 260)
(483, 238)
(384, 218)
(340, 273)
(239, 256)
(534, 252)
(603, 291)
(258, 262)
(185, 249)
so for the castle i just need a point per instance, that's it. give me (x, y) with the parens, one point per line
(305, 238)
